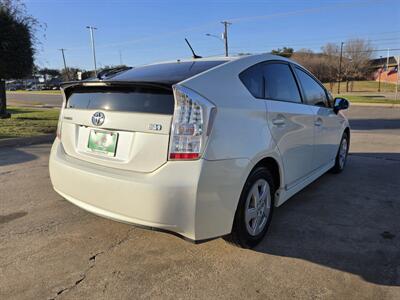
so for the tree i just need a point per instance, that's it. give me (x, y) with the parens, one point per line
(332, 53)
(52, 72)
(17, 44)
(355, 61)
(70, 74)
(285, 52)
(357, 54)
(314, 62)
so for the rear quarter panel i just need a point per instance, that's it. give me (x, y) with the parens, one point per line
(240, 129)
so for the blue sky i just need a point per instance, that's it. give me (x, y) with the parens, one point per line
(148, 31)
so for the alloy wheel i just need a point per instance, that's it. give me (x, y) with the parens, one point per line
(258, 207)
(343, 153)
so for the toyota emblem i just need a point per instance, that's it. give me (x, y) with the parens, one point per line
(98, 118)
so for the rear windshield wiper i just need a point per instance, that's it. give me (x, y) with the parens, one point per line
(113, 71)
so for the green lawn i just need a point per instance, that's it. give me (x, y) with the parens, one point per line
(25, 122)
(364, 86)
(370, 99)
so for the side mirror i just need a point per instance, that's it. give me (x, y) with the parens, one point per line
(340, 104)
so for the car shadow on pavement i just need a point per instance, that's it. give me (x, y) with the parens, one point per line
(348, 221)
(10, 156)
(374, 124)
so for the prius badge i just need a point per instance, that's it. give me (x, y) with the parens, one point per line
(155, 127)
(98, 118)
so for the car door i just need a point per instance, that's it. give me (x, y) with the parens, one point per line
(327, 125)
(290, 121)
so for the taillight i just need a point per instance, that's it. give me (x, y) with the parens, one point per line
(191, 124)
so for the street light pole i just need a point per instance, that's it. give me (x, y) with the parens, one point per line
(91, 28)
(226, 23)
(340, 66)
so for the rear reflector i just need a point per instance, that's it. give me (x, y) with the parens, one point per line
(184, 155)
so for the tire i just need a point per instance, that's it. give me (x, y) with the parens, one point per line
(341, 156)
(252, 218)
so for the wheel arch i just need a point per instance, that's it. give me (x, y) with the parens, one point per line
(273, 166)
(347, 131)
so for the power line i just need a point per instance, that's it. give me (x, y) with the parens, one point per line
(240, 19)
(376, 50)
(321, 42)
(299, 12)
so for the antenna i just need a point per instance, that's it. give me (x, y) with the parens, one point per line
(191, 49)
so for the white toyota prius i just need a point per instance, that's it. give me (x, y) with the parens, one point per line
(202, 148)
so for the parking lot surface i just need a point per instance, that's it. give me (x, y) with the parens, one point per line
(337, 239)
(32, 98)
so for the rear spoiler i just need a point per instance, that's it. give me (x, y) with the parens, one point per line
(71, 84)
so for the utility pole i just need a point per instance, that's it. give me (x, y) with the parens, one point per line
(65, 64)
(226, 23)
(397, 80)
(380, 72)
(340, 66)
(120, 58)
(387, 69)
(387, 60)
(91, 28)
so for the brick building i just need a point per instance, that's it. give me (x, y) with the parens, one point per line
(388, 73)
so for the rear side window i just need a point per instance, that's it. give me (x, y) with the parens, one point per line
(280, 83)
(314, 93)
(143, 100)
(252, 78)
(274, 81)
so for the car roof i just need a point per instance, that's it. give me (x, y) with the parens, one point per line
(170, 72)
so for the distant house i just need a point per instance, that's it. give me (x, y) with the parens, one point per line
(387, 72)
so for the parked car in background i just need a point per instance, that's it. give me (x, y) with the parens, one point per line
(204, 148)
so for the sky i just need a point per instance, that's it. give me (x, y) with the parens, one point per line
(140, 32)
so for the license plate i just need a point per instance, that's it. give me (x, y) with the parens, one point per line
(104, 142)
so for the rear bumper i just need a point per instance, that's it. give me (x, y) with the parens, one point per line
(195, 199)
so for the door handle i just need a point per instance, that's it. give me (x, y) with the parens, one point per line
(278, 122)
(318, 122)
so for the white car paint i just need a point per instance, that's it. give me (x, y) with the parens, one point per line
(198, 198)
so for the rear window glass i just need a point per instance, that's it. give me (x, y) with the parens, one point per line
(143, 100)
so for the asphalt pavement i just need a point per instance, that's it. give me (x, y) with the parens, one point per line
(32, 98)
(337, 239)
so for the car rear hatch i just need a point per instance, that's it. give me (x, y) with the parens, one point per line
(117, 125)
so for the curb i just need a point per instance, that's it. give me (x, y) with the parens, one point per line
(396, 105)
(26, 141)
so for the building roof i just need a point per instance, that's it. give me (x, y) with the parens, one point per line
(379, 62)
